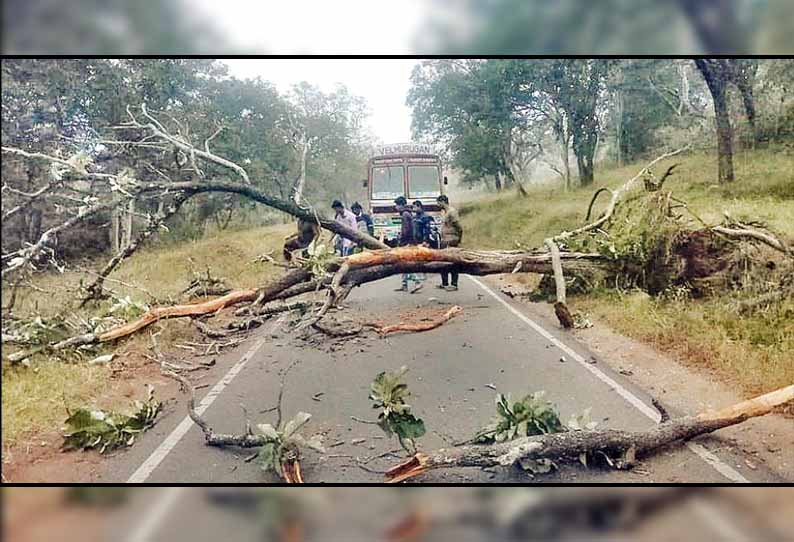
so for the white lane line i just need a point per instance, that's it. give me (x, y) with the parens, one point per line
(717, 520)
(158, 511)
(726, 470)
(147, 467)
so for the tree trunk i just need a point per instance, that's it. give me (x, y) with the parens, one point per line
(744, 82)
(126, 236)
(715, 74)
(301, 182)
(716, 25)
(619, 125)
(584, 162)
(114, 230)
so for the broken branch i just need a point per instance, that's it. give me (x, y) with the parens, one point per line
(571, 444)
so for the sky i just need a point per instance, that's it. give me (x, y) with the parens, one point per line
(318, 26)
(384, 83)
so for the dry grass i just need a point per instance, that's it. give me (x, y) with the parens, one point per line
(754, 352)
(35, 399)
(764, 190)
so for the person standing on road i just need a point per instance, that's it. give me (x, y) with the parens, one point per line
(363, 220)
(451, 236)
(422, 224)
(345, 218)
(406, 238)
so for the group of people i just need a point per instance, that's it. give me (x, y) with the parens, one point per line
(418, 228)
(355, 219)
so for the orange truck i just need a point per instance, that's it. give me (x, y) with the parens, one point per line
(412, 170)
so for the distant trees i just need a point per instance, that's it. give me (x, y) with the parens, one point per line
(608, 27)
(498, 114)
(73, 108)
(482, 108)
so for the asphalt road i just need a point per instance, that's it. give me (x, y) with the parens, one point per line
(177, 514)
(495, 343)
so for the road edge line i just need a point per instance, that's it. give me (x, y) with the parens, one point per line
(156, 514)
(146, 468)
(708, 457)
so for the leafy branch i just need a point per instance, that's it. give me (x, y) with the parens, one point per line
(389, 393)
(105, 430)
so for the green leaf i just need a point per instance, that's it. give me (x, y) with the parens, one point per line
(268, 431)
(267, 456)
(295, 424)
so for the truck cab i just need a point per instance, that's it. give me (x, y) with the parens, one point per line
(412, 170)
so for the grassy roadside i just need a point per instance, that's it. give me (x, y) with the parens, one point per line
(752, 352)
(35, 399)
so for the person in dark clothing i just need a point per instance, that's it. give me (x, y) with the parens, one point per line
(422, 224)
(308, 230)
(406, 238)
(451, 236)
(363, 220)
(407, 222)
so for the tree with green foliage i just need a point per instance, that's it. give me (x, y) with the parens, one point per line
(607, 27)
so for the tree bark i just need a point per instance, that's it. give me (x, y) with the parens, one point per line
(257, 195)
(352, 271)
(298, 195)
(715, 74)
(571, 444)
(497, 182)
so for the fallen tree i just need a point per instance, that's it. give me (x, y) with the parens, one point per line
(622, 447)
(347, 273)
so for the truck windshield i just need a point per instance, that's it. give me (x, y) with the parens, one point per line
(423, 181)
(387, 182)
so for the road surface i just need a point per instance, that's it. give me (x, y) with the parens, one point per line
(496, 344)
(177, 514)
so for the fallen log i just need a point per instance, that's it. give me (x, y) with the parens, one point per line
(421, 326)
(355, 270)
(571, 444)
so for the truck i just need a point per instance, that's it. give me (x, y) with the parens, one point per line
(412, 170)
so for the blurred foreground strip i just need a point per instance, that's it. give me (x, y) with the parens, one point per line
(459, 514)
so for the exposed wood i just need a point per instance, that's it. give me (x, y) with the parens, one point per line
(357, 269)
(570, 445)
(748, 233)
(560, 307)
(616, 196)
(421, 326)
(194, 309)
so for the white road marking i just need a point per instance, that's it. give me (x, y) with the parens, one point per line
(720, 466)
(715, 518)
(147, 467)
(156, 514)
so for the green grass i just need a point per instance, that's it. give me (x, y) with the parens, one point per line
(753, 352)
(35, 399)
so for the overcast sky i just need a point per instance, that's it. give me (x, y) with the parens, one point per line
(317, 26)
(384, 83)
